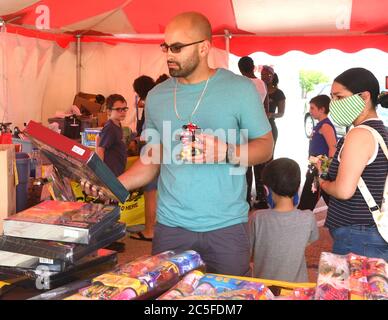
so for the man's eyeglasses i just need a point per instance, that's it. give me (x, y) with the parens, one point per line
(177, 47)
(125, 109)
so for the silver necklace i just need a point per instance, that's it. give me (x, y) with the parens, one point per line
(197, 105)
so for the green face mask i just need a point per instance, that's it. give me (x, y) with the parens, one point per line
(345, 111)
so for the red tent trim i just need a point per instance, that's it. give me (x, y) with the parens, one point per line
(309, 44)
(61, 39)
(239, 45)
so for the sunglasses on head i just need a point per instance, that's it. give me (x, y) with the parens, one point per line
(176, 47)
(125, 109)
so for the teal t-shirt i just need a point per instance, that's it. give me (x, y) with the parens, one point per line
(203, 197)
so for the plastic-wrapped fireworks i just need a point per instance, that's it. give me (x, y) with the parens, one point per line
(187, 261)
(187, 137)
(325, 162)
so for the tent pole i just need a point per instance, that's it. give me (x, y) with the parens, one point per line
(4, 75)
(78, 80)
(227, 37)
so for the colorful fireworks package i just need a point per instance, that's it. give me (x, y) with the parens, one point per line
(145, 277)
(333, 277)
(368, 278)
(199, 286)
(351, 276)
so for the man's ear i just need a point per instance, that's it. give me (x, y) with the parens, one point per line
(204, 48)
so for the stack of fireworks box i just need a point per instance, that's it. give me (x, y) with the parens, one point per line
(177, 276)
(351, 277)
(340, 277)
(144, 278)
(57, 240)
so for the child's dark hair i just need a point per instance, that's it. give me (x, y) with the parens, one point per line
(142, 85)
(163, 77)
(110, 101)
(282, 176)
(100, 99)
(246, 65)
(322, 102)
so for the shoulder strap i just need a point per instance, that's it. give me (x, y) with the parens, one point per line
(370, 201)
(373, 207)
(377, 136)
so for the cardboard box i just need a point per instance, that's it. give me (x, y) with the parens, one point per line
(86, 102)
(7, 185)
(102, 118)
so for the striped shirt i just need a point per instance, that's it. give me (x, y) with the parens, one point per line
(354, 211)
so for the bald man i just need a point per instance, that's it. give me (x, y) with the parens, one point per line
(201, 201)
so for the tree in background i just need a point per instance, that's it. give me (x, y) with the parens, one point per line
(309, 78)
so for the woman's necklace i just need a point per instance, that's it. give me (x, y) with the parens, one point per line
(197, 105)
(271, 89)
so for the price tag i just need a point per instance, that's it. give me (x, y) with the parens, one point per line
(78, 150)
(46, 261)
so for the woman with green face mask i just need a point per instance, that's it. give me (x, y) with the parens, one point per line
(355, 96)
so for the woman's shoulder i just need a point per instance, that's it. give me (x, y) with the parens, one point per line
(378, 125)
(363, 129)
(358, 133)
(357, 137)
(326, 124)
(278, 93)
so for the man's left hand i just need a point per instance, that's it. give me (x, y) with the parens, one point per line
(212, 149)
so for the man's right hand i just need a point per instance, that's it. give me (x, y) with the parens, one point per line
(93, 190)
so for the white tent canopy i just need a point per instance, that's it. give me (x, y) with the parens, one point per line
(38, 77)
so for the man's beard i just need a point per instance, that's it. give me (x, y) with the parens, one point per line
(184, 72)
